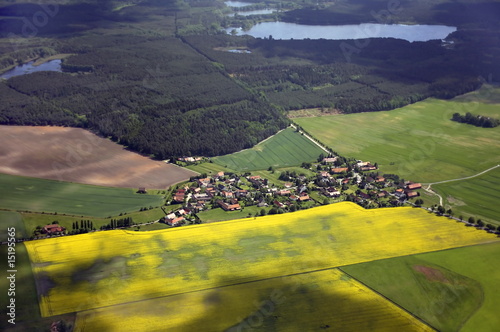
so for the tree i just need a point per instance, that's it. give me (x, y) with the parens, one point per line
(449, 212)
(472, 220)
(263, 212)
(440, 209)
(480, 223)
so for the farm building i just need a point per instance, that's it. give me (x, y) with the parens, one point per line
(52, 229)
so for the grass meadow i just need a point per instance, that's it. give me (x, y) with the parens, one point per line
(221, 215)
(32, 220)
(420, 143)
(287, 148)
(39, 195)
(102, 269)
(10, 219)
(439, 287)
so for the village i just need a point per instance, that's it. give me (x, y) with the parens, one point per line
(335, 179)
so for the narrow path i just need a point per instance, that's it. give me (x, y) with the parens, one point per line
(311, 139)
(429, 189)
(465, 178)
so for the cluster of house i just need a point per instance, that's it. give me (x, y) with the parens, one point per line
(370, 188)
(231, 192)
(226, 191)
(177, 218)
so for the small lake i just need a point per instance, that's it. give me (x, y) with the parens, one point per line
(239, 51)
(28, 68)
(254, 12)
(283, 30)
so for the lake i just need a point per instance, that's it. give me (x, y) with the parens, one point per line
(28, 68)
(283, 30)
(254, 12)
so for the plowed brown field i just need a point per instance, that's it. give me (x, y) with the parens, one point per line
(77, 155)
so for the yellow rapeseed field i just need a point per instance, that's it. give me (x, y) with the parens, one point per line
(326, 299)
(88, 271)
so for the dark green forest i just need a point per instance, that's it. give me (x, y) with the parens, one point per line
(157, 77)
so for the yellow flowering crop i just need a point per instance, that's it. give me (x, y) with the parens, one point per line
(304, 302)
(95, 270)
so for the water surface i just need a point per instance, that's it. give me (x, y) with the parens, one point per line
(284, 30)
(28, 68)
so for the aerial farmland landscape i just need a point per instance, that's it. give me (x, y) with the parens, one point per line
(188, 165)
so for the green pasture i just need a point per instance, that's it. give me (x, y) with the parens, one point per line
(459, 290)
(287, 148)
(32, 220)
(39, 195)
(481, 264)
(8, 220)
(418, 142)
(478, 197)
(221, 215)
(209, 168)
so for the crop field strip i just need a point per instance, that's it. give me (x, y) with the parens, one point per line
(287, 148)
(178, 260)
(333, 300)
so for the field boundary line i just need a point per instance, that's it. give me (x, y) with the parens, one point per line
(388, 299)
(311, 139)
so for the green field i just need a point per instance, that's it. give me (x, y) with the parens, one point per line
(11, 219)
(209, 168)
(418, 142)
(459, 290)
(221, 215)
(32, 220)
(478, 197)
(38, 195)
(287, 148)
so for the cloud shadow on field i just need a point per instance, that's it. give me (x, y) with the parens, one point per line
(299, 302)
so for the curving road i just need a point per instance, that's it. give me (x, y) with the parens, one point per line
(429, 190)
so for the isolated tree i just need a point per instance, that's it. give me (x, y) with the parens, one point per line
(263, 212)
(440, 209)
(480, 223)
(472, 220)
